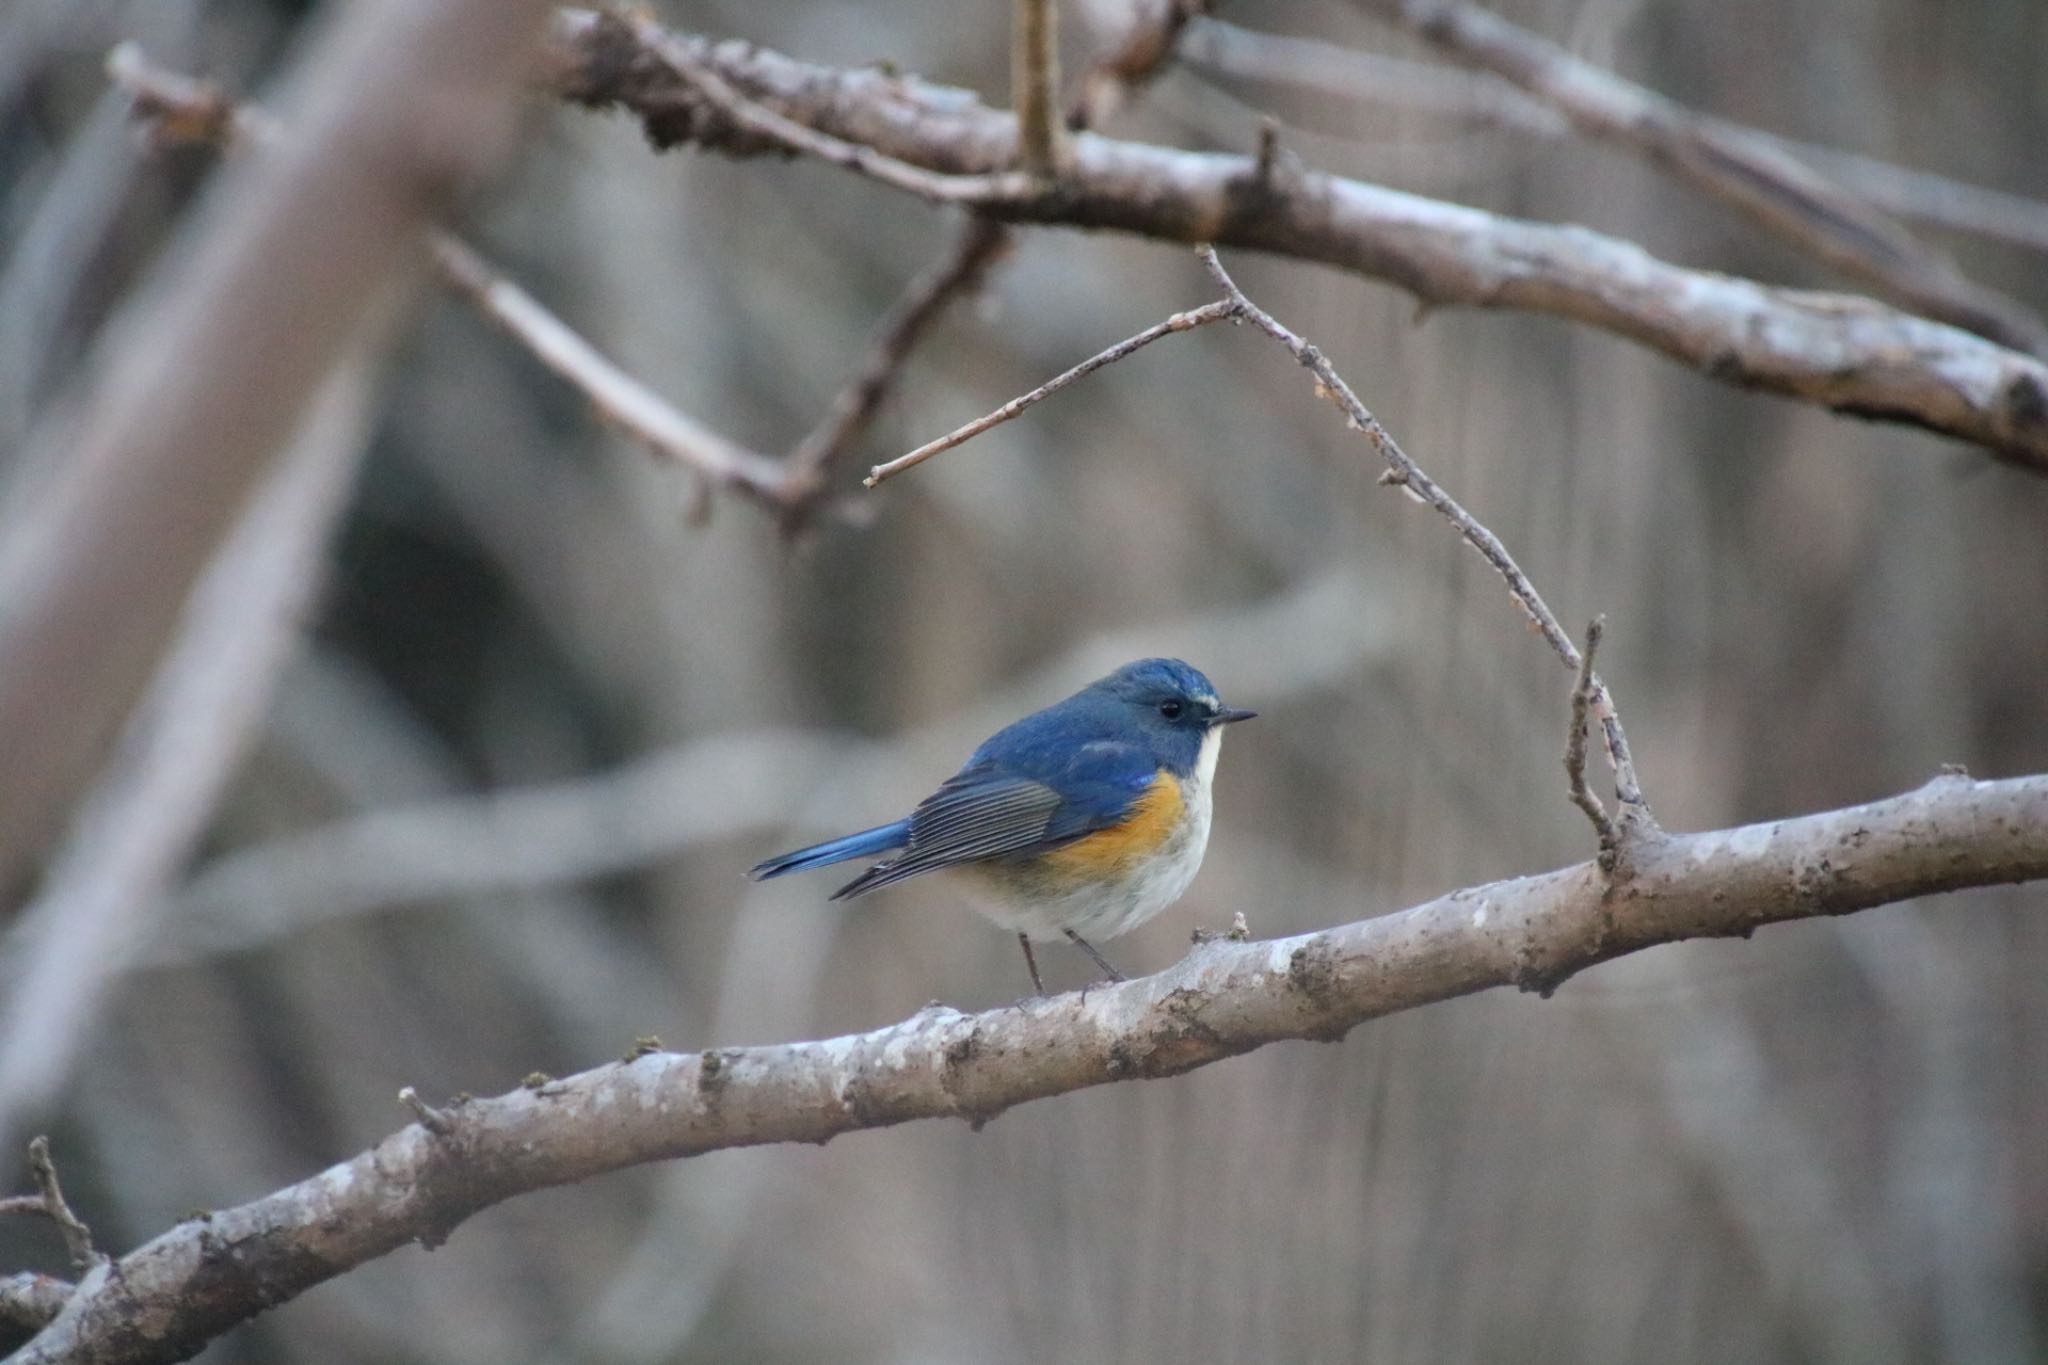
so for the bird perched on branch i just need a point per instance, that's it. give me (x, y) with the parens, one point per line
(1084, 820)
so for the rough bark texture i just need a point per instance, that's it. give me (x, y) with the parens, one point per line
(1843, 352)
(169, 1297)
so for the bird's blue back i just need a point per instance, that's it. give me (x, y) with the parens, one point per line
(1078, 766)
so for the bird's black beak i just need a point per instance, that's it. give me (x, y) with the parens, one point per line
(1231, 716)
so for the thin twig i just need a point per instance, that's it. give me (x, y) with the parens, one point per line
(1035, 85)
(980, 243)
(77, 1236)
(616, 397)
(1403, 471)
(1575, 740)
(759, 119)
(1179, 322)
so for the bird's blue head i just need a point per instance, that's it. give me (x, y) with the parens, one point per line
(1169, 703)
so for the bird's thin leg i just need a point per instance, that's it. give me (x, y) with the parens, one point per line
(1085, 946)
(1037, 986)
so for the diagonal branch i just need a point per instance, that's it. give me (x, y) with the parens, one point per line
(181, 109)
(1742, 169)
(294, 258)
(1331, 72)
(1179, 322)
(1842, 352)
(616, 397)
(981, 242)
(170, 1296)
(699, 70)
(1404, 473)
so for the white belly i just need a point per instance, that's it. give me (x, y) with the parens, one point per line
(1102, 910)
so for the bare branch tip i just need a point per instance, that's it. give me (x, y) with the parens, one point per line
(77, 1236)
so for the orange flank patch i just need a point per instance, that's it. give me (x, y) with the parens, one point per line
(1108, 852)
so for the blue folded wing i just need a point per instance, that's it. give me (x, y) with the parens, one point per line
(1033, 801)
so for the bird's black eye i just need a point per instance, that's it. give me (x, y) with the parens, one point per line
(1170, 708)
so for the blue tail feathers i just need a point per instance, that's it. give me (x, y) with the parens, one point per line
(865, 844)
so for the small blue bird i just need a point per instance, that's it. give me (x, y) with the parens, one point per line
(1084, 820)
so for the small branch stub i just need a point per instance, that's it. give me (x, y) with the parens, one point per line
(1575, 741)
(439, 1122)
(77, 1236)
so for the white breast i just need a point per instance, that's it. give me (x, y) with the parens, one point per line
(1104, 911)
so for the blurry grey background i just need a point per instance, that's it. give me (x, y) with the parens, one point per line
(497, 818)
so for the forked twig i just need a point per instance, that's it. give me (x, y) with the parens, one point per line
(982, 241)
(1405, 473)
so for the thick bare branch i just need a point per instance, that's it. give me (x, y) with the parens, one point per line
(170, 1296)
(1839, 351)
(1747, 172)
(1224, 50)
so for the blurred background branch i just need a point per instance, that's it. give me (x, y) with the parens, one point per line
(1228, 51)
(1759, 178)
(535, 710)
(91, 919)
(292, 264)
